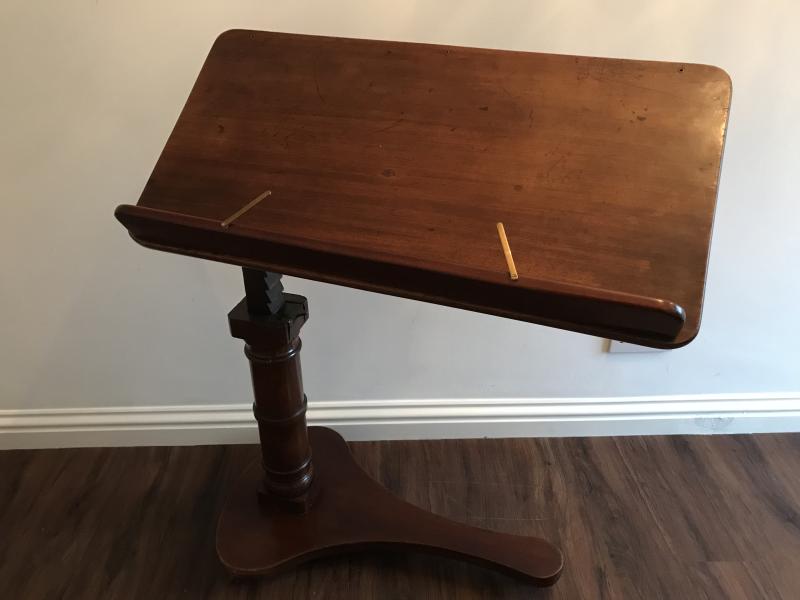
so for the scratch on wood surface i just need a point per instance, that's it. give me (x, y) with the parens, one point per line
(388, 127)
(316, 84)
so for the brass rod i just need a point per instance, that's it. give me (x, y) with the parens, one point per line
(512, 270)
(226, 223)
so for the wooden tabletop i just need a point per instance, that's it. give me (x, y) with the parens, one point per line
(390, 164)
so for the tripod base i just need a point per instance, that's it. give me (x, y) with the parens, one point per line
(351, 512)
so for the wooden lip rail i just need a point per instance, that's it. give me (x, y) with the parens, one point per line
(639, 319)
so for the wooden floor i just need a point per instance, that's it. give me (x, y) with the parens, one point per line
(658, 517)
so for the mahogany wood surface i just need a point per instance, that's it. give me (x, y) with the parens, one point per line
(352, 513)
(273, 347)
(390, 164)
(308, 498)
(639, 518)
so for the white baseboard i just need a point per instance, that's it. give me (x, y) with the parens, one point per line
(408, 419)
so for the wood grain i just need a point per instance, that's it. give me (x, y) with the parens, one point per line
(290, 509)
(353, 514)
(390, 161)
(272, 347)
(638, 518)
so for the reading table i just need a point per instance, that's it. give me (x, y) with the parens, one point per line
(567, 191)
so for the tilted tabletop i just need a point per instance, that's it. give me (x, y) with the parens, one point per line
(389, 165)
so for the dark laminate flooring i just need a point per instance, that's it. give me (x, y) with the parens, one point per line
(637, 517)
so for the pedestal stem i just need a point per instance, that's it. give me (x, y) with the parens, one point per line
(333, 507)
(269, 322)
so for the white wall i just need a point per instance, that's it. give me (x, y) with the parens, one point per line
(89, 91)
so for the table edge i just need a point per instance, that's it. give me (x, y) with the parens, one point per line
(654, 322)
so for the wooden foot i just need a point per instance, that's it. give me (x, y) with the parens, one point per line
(351, 512)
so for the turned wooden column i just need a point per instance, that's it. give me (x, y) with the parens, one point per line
(333, 507)
(269, 322)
